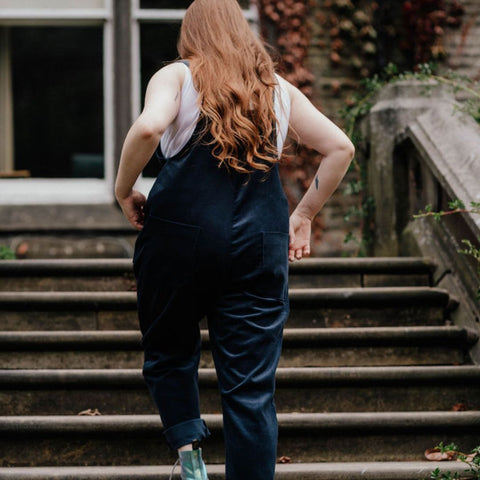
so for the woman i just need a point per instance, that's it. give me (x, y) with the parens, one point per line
(215, 234)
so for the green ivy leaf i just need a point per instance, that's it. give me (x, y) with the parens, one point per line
(456, 205)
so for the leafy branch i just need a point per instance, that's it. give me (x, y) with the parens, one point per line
(452, 453)
(457, 206)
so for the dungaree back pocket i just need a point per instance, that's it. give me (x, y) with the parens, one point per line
(275, 265)
(167, 250)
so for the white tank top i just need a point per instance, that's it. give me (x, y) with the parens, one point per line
(179, 132)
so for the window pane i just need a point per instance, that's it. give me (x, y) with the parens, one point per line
(165, 3)
(158, 43)
(177, 3)
(58, 100)
(56, 4)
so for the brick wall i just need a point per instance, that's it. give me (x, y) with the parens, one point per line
(331, 86)
(334, 83)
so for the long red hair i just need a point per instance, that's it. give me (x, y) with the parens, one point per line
(235, 79)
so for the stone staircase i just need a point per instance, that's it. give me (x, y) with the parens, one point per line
(370, 371)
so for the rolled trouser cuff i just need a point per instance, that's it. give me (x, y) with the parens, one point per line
(186, 432)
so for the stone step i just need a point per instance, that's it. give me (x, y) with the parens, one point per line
(293, 471)
(312, 347)
(362, 272)
(304, 437)
(116, 274)
(326, 307)
(305, 390)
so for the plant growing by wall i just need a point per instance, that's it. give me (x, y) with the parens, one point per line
(6, 253)
(360, 104)
(458, 207)
(451, 452)
(425, 22)
(285, 26)
(355, 35)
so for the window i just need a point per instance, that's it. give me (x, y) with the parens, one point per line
(56, 108)
(72, 79)
(159, 4)
(58, 101)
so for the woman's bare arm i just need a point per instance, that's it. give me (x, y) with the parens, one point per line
(162, 102)
(316, 131)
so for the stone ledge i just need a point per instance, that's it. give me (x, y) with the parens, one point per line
(76, 267)
(50, 219)
(288, 423)
(293, 337)
(28, 301)
(285, 377)
(294, 471)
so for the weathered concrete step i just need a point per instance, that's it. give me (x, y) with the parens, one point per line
(355, 389)
(304, 437)
(309, 307)
(296, 471)
(116, 274)
(301, 347)
(67, 275)
(362, 272)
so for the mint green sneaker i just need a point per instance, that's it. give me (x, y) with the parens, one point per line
(192, 465)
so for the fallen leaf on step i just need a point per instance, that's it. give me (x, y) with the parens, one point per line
(89, 412)
(436, 455)
(284, 459)
(459, 407)
(22, 250)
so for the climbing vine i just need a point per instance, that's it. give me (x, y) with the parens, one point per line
(285, 26)
(425, 22)
(359, 38)
(347, 28)
(359, 106)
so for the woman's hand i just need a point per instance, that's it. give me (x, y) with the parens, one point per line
(300, 233)
(132, 207)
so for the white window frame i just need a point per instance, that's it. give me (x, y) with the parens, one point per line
(144, 184)
(65, 191)
(46, 191)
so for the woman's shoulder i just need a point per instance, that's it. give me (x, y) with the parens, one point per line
(285, 85)
(172, 73)
(293, 92)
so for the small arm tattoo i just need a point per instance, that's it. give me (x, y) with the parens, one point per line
(316, 182)
(176, 96)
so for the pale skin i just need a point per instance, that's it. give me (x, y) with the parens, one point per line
(162, 103)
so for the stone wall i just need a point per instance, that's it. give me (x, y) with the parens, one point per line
(463, 46)
(423, 151)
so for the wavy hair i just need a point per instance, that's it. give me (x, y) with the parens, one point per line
(235, 79)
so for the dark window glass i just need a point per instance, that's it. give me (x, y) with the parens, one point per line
(165, 3)
(158, 43)
(58, 100)
(177, 3)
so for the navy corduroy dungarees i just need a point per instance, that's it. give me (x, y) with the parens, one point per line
(215, 244)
